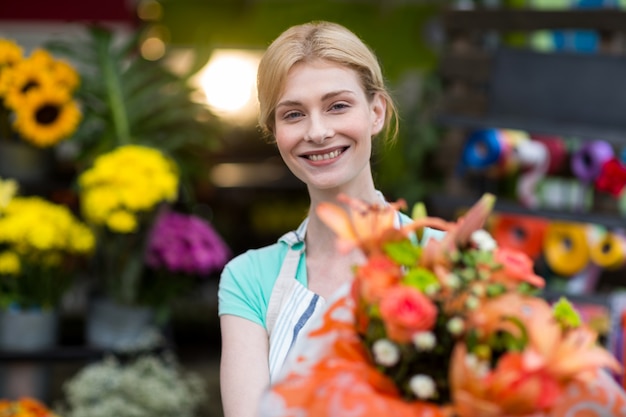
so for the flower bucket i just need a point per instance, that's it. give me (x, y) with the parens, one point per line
(121, 328)
(24, 163)
(26, 331)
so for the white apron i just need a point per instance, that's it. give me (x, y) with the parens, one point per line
(292, 306)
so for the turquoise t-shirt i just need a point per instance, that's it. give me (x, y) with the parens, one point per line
(247, 281)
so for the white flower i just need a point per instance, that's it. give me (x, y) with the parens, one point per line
(424, 341)
(483, 240)
(453, 281)
(386, 353)
(456, 325)
(423, 386)
(480, 367)
(472, 302)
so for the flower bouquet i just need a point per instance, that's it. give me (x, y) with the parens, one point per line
(40, 245)
(36, 96)
(449, 327)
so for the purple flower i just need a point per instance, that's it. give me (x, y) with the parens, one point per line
(185, 243)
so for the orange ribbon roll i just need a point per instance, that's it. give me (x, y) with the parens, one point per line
(565, 248)
(523, 233)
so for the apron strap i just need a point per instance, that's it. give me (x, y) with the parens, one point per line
(283, 287)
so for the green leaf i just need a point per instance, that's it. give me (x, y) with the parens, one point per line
(403, 252)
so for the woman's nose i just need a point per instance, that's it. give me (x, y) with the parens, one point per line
(317, 130)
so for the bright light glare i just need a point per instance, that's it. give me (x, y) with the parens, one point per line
(229, 82)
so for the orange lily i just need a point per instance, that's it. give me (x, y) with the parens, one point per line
(535, 377)
(361, 225)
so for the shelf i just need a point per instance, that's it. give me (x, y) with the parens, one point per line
(560, 93)
(615, 136)
(447, 207)
(528, 20)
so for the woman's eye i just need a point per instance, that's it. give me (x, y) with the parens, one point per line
(339, 106)
(292, 115)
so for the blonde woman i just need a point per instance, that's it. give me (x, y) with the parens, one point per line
(323, 99)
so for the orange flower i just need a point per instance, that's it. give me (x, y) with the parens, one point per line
(517, 267)
(361, 225)
(406, 311)
(535, 377)
(375, 276)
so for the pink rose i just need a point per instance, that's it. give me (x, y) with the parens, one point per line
(517, 267)
(405, 311)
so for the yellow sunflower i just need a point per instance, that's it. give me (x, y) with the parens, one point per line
(10, 54)
(65, 75)
(47, 116)
(26, 76)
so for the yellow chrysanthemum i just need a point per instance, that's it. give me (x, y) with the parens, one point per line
(47, 116)
(34, 227)
(98, 202)
(122, 221)
(9, 263)
(8, 189)
(82, 240)
(133, 178)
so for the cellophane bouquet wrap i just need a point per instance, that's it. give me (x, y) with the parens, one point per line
(442, 328)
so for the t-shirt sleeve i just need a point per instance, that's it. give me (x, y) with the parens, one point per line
(246, 284)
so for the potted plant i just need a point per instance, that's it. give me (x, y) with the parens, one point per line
(183, 249)
(120, 195)
(41, 246)
(38, 109)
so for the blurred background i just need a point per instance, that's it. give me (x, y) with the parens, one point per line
(521, 98)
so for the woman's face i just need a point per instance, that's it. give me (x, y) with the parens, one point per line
(324, 125)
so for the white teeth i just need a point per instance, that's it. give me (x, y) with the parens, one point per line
(329, 155)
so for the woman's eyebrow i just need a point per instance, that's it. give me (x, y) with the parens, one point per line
(326, 96)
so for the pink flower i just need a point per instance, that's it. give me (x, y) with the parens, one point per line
(405, 311)
(187, 244)
(517, 267)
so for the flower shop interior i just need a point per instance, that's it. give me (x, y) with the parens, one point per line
(109, 275)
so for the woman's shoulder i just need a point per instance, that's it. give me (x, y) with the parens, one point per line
(259, 259)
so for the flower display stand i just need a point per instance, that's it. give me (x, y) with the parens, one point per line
(26, 331)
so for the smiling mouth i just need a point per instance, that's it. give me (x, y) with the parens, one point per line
(325, 156)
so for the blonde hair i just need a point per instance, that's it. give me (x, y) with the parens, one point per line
(319, 40)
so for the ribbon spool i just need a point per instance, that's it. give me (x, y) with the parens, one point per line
(557, 151)
(565, 248)
(587, 161)
(534, 159)
(609, 251)
(483, 148)
(523, 233)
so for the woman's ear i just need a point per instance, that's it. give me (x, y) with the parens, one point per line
(379, 111)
